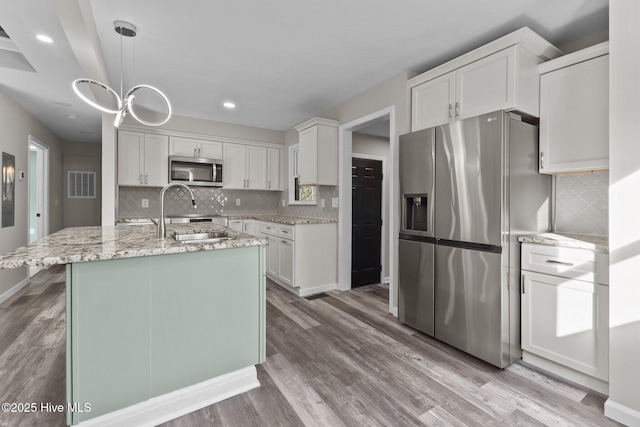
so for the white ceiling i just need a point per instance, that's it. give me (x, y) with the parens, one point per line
(280, 61)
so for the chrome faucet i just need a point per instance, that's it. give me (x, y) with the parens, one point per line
(162, 231)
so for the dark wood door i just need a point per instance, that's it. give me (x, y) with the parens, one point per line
(366, 193)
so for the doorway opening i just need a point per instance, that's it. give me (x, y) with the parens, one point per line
(38, 168)
(382, 125)
(366, 220)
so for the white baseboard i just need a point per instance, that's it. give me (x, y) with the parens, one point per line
(621, 413)
(317, 289)
(565, 372)
(180, 402)
(394, 311)
(306, 291)
(386, 280)
(13, 290)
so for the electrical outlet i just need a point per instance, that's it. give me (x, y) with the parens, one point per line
(334, 202)
(322, 203)
(237, 202)
(145, 203)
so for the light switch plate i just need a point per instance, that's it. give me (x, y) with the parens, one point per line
(237, 202)
(145, 203)
(334, 202)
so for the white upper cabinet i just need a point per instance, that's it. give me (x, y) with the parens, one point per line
(244, 166)
(273, 169)
(318, 155)
(142, 159)
(189, 147)
(489, 84)
(501, 75)
(428, 100)
(574, 112)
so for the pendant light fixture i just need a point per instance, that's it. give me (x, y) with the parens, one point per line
(119, 105)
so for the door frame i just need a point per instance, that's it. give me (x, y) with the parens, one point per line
(383, 199)
(345, 152)
(43, 194)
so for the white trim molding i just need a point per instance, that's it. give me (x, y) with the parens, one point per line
(13, 290)
(622, 414)
(344, 194)
(180, 402)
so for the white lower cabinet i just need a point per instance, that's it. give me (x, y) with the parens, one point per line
(302, 258)
(565, 321)
(248, 226)
(285, 261)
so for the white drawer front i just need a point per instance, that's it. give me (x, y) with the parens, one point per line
(572, 263)
(287, 231)
(269, 228)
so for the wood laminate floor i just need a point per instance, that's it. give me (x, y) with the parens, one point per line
(334, 360)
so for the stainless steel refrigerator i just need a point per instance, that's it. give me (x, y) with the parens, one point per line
(468, 190)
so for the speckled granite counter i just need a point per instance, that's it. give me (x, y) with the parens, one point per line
(280, 219)
(82, 244)
(581, 241)
(290, 220)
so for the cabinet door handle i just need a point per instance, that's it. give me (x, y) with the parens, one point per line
(284, 241)
(553, 261)
(269, 184)
(285, 231)
(450, 112)
(195, 152)
(141, 179)
(146, 179)
(457, 110)
(522, 282)
(542, 160)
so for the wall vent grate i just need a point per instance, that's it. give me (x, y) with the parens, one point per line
(81, 185)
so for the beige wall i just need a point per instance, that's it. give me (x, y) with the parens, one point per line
(16, 125)
(624, 208)
(81, 156)
(379, 147)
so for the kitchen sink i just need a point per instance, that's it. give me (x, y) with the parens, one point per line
(211, 237)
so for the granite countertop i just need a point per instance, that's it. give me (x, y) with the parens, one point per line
(80, 244)
(580, 241)
(281, 219)
(284, 219)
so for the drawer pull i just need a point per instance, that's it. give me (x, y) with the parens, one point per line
(285, 231)
(552, 261)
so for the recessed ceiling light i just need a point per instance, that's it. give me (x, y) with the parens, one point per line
(229, 105)
(44, 38)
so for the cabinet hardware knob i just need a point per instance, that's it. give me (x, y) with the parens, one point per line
(141, 179)
(457, 110)
(450, 112)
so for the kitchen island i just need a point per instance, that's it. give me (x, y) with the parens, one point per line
(155, 328)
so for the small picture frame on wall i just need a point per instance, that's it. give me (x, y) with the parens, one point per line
(8, 190)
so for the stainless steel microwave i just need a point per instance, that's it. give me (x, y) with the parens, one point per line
(194, 171)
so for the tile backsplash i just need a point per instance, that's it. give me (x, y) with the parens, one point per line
(221, 202)
(582, 203)
(326, 193)
(209, 200)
